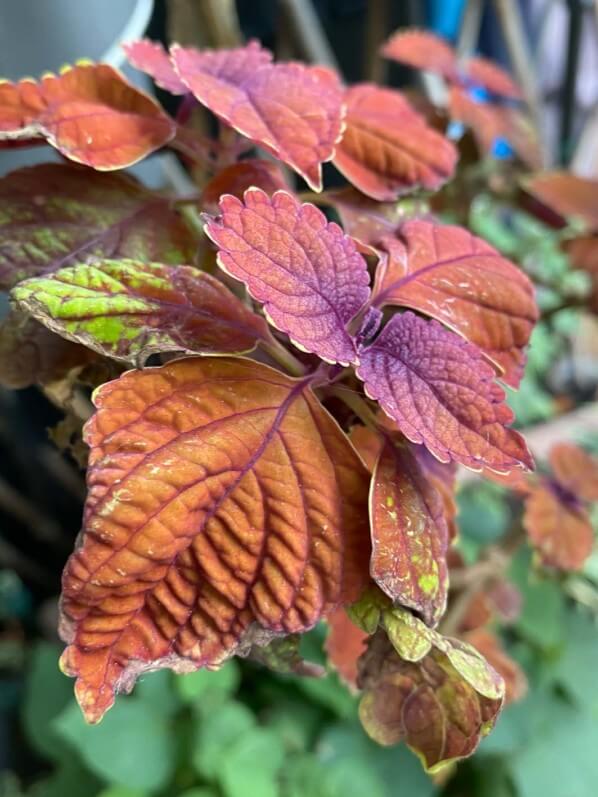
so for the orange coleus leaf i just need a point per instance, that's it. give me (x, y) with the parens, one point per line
(290, 110)
(434, 705)
(89, 113)
(489, 645)
(128, 309)
(566, 194)
(54, 214)
(363, 218)
(558, 527)
(225, 507)
(238, 177)
(30, 354)
(441, 392)
(387, 148)
(576, 470)
(584, 255)
(409, 532)
(422, 50)
(151, 57)
(344, 645)
(306, 271)
(459, 279)
(367, 443)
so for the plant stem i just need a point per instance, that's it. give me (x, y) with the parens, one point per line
(283, 357)
(193, 219)
(354, 401)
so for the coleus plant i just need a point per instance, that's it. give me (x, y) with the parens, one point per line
(301, 457)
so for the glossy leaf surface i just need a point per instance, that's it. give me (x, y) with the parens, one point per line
(225, 507)
(387, 148)
(558, 527)
(459, 279)
(428, 704)
(292, 111)
(441, 393)
(151, 57)
(307, 273)
(128, 309)
(54, 214)
(409, 533)
(422, 50)
(89, 113)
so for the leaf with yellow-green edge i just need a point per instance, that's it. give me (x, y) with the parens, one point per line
(409, 532)
(53, 214)
(225, 508)
(128, 309)
(429, 704)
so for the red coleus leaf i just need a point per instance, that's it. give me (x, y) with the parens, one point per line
(363, 218)
(443, 477)
(30, 354)
(558, 527)
(441, 393)
(238, 177)
(409, 532)
(489, 645)
(225, 507)
(434, 704)
(492, 77)
(151, 57)
(566, 194)
(344, 645)
(387, 148)
(306, 271)
(89, 113)
(54, 214)
(457, 278)
(576, 470)
(288, 109)
(128, 309)
(422, 50)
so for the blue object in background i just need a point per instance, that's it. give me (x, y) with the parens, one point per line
(444, 17)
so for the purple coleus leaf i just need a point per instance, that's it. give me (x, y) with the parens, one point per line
(307, 273)
(442, 393)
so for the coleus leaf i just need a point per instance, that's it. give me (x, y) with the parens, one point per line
(238, 177)
(363, 218)
(459, 279)
(128, 309)
(434, 704)
(30, 354)
(54, 214)
(307, 273)
(387, 148)
(290, 110)
(485, 73)
(575, 469)
(558, 527)
(422, 50)
(441, 393)
(151, 57)
(283, 655)
(409, 532)
(584, 255)
(345, 643)
(567, 194)
(89, 113)
(489, 645)
(225, 507)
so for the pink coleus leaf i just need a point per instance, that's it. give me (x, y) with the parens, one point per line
(575, 470)
(492, 77)
(307, 273)
(89, 113)
(459, 279)
(422, 50)
(288, 109)
(238, 177)
(387, 148)
(151, 57)
(409, 532)
(441, 393)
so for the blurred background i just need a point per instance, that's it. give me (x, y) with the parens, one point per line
(246, 732)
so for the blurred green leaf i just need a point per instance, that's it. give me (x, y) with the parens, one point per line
(542, 618)
(250, 768)
(157, 689)
(221, 683)
(483, 515)
(577, 666)
(215, 734)
(121, 791)
(132, 746)
(531, 403)
(70, 779)
(199, 792)
(47, 692)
